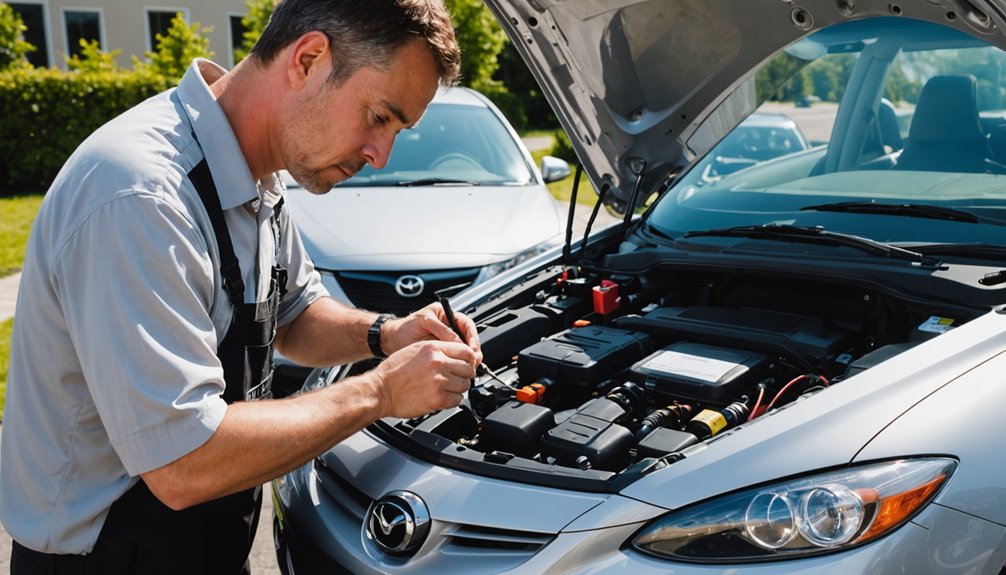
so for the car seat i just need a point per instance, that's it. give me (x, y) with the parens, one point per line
(890, 133)
(946, 134)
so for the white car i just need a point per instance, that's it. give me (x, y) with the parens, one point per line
(459, 201)
(797, 368)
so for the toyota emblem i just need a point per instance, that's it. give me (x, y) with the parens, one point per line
(409, 286)
(398, 523)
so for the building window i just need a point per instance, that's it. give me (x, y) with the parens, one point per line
(159, 22)
(33, 17)
(237, 33)
(81, 25)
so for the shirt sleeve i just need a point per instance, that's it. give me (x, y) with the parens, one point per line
(304, 285)
(136, 286)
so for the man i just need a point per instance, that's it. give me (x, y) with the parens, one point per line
(159, 267)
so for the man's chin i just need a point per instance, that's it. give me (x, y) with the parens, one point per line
(314, 185)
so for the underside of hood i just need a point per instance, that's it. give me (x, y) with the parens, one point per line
(646, 87)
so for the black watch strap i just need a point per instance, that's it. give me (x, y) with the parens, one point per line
(374, 335)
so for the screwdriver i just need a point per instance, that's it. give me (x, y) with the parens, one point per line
(482, 368)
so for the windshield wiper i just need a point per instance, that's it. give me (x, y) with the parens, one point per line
(975, 250)
(438, 182)
(817, 235)
(908, 210)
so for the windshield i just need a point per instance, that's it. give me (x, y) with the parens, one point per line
(452, 143)
(875, 114)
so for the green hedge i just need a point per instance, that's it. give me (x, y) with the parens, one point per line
(45, 113)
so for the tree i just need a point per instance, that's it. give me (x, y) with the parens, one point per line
(92, 58)
(259, 12)
(12, 44)
(176, 49)
(481, 39)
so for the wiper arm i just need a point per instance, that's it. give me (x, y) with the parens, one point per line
(438, 182)
(908, 210)
(817, 235)
(975, 250)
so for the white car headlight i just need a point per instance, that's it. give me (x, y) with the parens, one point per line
(500, 267)
(800, 517)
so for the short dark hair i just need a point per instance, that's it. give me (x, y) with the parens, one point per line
(364, 32)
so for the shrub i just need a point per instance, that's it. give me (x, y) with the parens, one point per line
(12, 44)
(176, 49)
(92, 58)
(47, 113)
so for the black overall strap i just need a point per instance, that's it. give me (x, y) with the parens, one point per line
(229, 268)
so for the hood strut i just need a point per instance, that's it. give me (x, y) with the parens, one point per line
(634, 197)
(569, 217)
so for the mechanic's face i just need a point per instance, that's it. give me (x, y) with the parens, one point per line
(335, 131)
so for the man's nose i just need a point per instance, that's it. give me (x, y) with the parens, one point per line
(378, 150)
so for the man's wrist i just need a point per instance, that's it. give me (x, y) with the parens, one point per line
(374, 335)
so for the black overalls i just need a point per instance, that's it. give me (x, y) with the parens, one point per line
(141, 535)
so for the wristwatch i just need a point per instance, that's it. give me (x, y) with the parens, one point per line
(374, 335)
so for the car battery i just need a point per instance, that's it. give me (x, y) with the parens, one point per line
(582, 356)
(705, 374)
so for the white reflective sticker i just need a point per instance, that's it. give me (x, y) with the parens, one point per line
(937, 324)
(693, 366)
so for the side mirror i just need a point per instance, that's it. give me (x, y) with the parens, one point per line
(554, 169)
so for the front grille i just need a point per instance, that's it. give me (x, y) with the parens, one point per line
(375, 290)
(473, 537)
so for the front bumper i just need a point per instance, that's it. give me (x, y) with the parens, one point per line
(483, 525)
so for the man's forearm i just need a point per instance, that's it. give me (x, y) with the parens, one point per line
(258, 441)
(326, 333)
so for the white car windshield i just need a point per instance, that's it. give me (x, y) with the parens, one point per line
(452, 144)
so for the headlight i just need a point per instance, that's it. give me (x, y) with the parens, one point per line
(500, 267)
(807, 516)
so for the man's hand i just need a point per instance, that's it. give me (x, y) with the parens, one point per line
(430, 323)
(423, 377)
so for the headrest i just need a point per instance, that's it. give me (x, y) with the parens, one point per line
(947, 111)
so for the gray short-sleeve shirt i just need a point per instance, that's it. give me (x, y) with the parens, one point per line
(121, 308)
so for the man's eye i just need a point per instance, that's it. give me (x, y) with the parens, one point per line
(380, 120)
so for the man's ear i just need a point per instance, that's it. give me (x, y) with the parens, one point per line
(309, 55)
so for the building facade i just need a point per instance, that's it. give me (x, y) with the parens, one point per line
(55, 27)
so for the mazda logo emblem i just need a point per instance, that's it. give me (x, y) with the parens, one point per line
(409, 286)
(397, 523)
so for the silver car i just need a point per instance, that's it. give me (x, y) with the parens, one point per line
(796, 368)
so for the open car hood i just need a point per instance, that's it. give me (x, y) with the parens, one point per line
(644, 88)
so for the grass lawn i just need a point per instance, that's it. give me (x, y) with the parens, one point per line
(563, 189)
(5, 329)
(16, 215)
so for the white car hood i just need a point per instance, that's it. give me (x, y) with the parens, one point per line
(443, 226)
(644, 88)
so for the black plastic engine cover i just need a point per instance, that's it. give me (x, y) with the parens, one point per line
(582, 356)
(516, 428)
(605, 445)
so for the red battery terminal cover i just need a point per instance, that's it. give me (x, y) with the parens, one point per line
(606, 297)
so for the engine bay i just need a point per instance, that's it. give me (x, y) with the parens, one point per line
(597, 374)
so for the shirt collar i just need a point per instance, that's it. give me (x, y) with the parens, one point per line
(231, 175)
